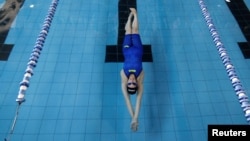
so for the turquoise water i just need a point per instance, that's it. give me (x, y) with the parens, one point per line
(75, 95)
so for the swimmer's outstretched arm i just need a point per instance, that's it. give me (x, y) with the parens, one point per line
(134, 123)
(125, 93)
(139, 96)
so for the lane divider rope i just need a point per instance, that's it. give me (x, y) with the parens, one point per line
(24, 84)
(235, 81)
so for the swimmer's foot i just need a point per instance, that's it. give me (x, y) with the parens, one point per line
(133, 10)
(134, 125)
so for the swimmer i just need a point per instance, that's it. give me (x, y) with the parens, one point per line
(132, 74)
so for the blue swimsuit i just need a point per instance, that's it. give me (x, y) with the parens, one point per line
(132, 52)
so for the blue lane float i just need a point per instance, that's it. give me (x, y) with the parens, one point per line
(24, 84)
(236, 83)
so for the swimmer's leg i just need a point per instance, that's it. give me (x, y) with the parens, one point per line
(135, 25)
(128, 29)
